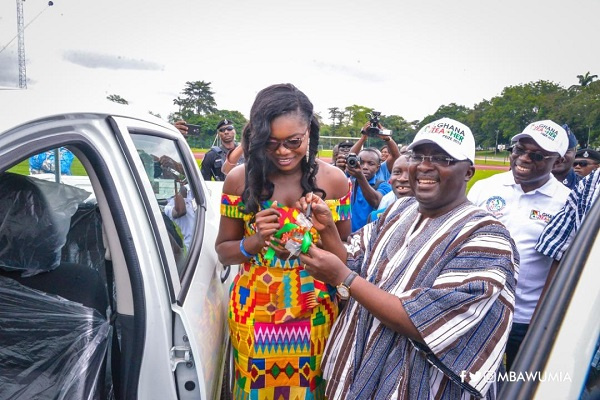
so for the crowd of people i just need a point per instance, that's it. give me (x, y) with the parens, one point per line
(377, 276)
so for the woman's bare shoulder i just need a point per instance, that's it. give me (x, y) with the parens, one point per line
(235, 181)
(333, 180)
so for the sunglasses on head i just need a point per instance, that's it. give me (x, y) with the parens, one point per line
(290, 144)
(582, 164)
(226, 128)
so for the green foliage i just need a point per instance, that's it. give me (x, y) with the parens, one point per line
(117, 99)
(208, 126)
(493, 121)
(198, 100)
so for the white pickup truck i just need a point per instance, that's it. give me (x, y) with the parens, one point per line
(105, 291)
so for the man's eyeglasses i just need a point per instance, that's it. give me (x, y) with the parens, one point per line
(533, 156)
(435, 159)
(290, 144)
(582, 164)
(226, 128)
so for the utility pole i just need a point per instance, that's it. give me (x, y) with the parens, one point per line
(21, 45)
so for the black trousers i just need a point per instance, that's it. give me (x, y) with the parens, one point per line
(515, 337)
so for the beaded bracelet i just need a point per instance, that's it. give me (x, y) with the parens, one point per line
(243, 250)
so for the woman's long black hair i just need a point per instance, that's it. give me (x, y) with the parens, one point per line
(270, 103)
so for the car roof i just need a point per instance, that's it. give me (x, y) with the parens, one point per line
(22, 106)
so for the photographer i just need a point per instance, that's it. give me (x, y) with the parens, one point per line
(367, 189)
(373, 128)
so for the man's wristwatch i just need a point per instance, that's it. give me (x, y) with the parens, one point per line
(343, 289)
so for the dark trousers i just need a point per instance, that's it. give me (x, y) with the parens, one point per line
(515, 337)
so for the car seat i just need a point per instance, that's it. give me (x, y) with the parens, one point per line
(54, 327)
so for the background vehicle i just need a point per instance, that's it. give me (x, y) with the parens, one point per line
(561, 346)
(141, 314)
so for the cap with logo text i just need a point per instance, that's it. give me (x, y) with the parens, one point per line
(548, 135)
(453, 137)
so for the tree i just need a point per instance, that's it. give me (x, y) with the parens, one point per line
(585, 80)
(198, 100)
(402, 131)
(117, 99)
(518, 106)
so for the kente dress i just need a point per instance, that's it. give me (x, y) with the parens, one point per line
(279, 317)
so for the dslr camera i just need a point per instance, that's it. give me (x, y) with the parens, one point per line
(373, 129)
(352, 160)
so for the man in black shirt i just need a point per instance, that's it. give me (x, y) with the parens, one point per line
(213, 160)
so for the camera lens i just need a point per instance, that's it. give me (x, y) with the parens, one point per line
(352, 161)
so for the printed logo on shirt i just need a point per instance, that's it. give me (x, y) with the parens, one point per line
(540, 216)
(495, 205)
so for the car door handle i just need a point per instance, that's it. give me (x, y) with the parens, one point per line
(225, 273)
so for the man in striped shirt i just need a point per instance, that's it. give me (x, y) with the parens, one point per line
(558, 234)
(429, 286)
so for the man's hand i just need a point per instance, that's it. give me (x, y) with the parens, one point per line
(324, 266)
(181, 126)
(340, 161)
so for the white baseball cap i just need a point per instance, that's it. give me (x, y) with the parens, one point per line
(548, 135)
(453, 137)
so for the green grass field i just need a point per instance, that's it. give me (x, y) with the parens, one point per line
(77, 169)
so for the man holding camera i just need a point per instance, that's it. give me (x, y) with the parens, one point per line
(367, 189)
(217, 155)
(373, 128)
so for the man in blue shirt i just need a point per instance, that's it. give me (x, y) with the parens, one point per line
(367, 189)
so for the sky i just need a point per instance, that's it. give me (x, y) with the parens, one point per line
(399, 57)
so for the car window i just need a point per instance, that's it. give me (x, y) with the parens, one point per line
(172, 190)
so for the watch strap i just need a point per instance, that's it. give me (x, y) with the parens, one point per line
(349, 279)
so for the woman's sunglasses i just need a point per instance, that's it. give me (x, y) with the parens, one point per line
(290, 144)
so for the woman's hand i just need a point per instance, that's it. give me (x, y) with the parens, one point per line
(320, 214)
(266, 223)
(324, 266)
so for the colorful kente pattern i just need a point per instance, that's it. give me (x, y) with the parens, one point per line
(279, 318)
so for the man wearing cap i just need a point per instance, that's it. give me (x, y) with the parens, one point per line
(215, 158)
(429, 286)
(524, 199)
(340, 153)
(563, 169)
(586, 161)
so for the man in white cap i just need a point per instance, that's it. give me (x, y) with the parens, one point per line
(429, 286)
(524, 199)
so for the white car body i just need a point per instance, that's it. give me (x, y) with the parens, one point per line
(558, 358)
(172, 312)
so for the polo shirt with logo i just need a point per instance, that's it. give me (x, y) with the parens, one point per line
(525, 215)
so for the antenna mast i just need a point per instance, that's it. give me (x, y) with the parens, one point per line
(21, 45)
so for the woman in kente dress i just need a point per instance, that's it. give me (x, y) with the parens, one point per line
(279, 316)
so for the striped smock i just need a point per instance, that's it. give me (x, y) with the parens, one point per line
(455, 275)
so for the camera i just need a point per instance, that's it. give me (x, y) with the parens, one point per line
(352, 160)
(373, 129)
(193, 130)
